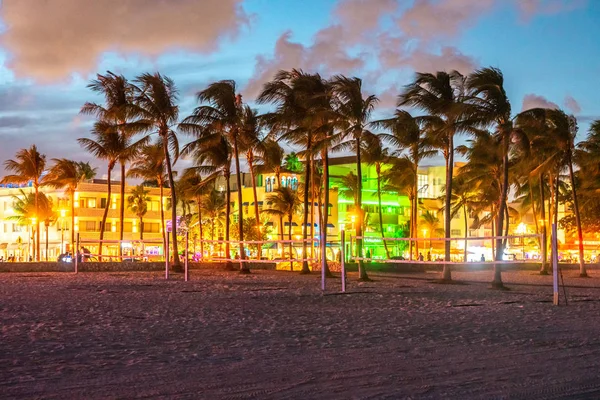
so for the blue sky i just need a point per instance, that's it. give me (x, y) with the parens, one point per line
(547, 49)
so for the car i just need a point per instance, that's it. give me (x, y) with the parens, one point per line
(65, 257)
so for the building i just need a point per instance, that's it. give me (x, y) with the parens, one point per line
(90, 200)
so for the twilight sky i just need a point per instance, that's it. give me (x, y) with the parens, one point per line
(50, 49)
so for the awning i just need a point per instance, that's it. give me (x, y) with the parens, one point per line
(288, 224)
(3, 246)
(269, 223)
(245, 204)
(308, 225)
(268, 246)
(260, 203)
(330, 225)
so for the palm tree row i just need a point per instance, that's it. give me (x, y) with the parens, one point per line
(506, 153)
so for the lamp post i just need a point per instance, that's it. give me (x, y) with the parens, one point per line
(62, 231)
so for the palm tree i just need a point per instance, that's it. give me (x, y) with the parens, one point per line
(464, 198)
(552, 134)
(213, 206)
(443, 96)
(375, 154)
(253, 145)
(118, 97)
(150, 166)
(285, 201)
(156, 111)
(431, 223)
(222, 115)
(28, 165)
(68, 174)
(211, 153)
(407, 135)
(353, 114)
(400, 178)
(194, 187)
(272, 159)
(109, 146)
(492, 107)
(137, 203)
(302, 118)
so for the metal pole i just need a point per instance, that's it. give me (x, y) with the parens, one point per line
(555, 264)
(343, 259)
(75, 254)
(167, 258)
(323, 256)
(187, 271)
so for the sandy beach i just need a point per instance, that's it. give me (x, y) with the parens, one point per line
(274, 335)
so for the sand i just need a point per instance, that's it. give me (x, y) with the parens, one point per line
(274, 335)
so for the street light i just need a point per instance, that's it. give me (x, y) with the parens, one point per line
(62, 231)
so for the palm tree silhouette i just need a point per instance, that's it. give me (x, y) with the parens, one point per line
(27, 166)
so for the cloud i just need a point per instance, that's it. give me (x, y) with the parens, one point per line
(530, 8)
(428, 19)
(572, 105)
(534, 101)
(49, 40)
(330, 49)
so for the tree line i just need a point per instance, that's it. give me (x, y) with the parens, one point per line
(531, 154)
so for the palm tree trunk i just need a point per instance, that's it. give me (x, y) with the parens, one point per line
(291, 244)
(198, 201)
(466, 231)
(72, 220)
(447, 272)
(411, 234)
(497, 282)
(282, 234)
(228, 218)
(359, 218)
(37, 224)
(415, 202)
(176, 263)
(582, 270)
(543, 246)
(312, 204)
(307, 177)
(238, 176)
(46, 243)
(325, 215)
(106, 207)
(378, 170)
(141, 228)
(250, 159)
(162, 216)
(122, 208)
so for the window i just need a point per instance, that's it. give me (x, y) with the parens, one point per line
(283, 181)
(103, 202)
(457, 215)
(268, 185)
(151, 227)
(455, 232)
(295, 183)
(127, 227)
(154, 205)
(88, 226)
(422, 182)
(87, 202)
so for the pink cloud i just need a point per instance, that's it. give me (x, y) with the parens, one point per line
(535, 101)
(50, 39)
(530, 8)
(572, 105)
(429, 19)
